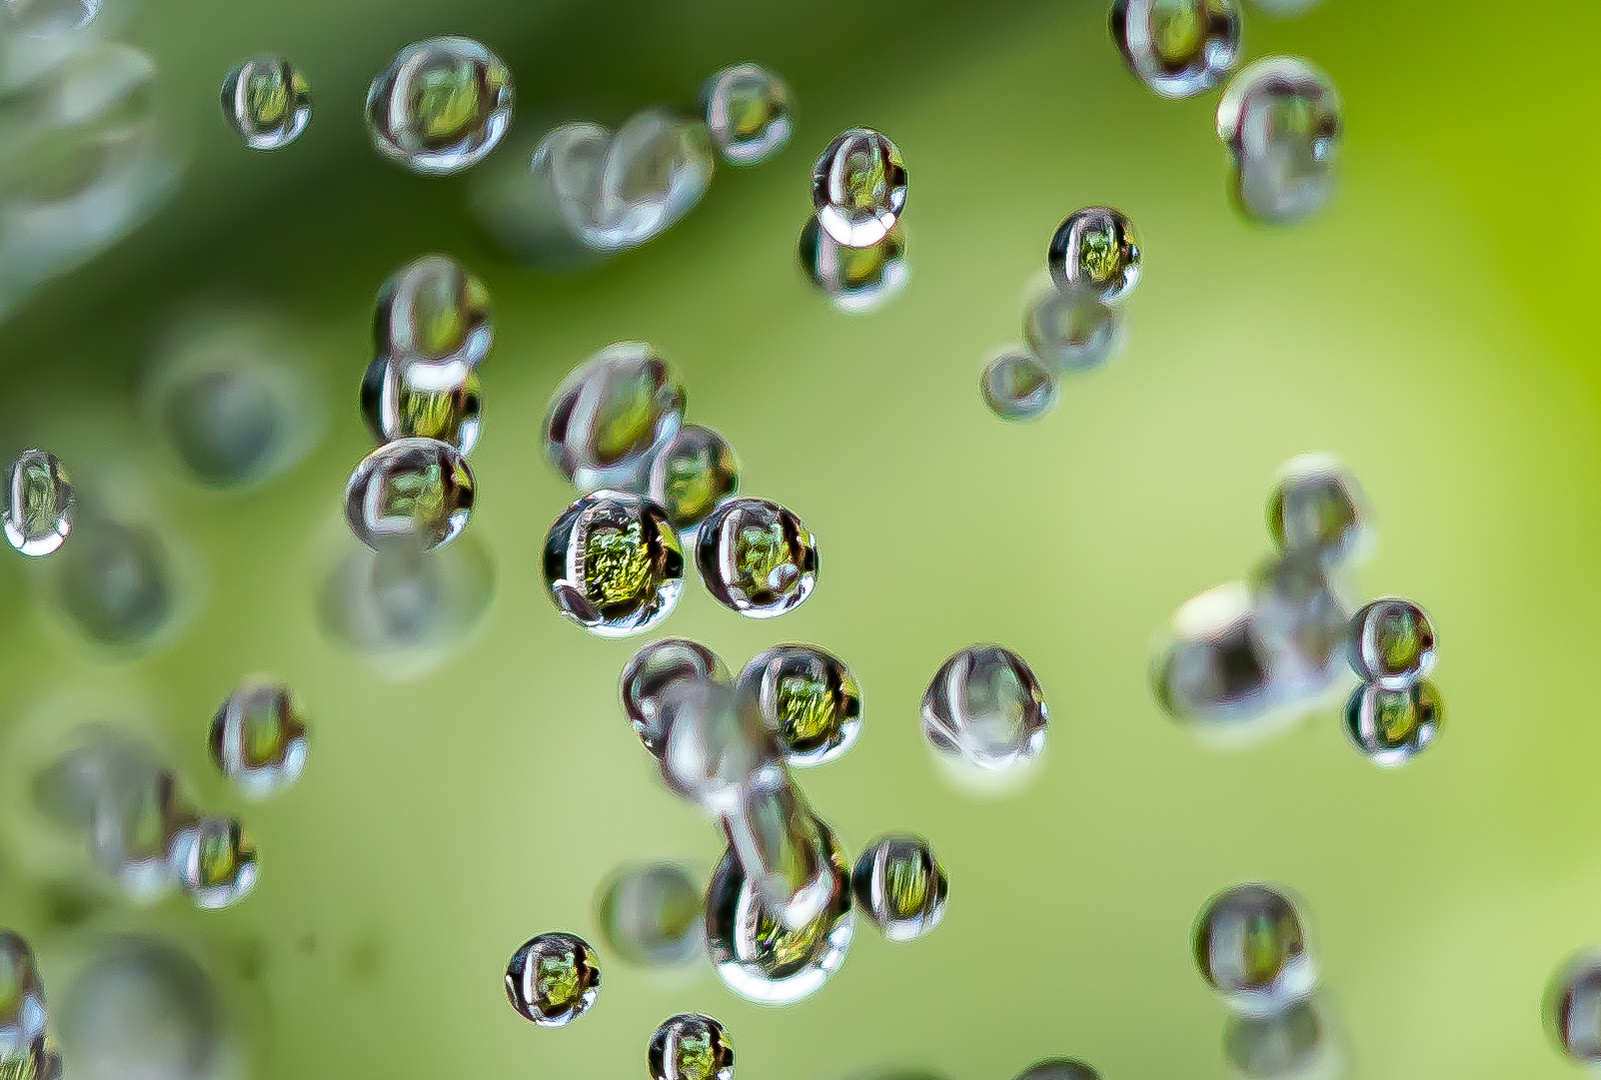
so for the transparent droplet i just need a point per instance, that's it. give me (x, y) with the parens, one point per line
(747, 111)
(1016, 385)
(690, 1046)
(1179, 48)
(1301, 616)
(985, 708)
(1392, 643)
(411, 490)
(47, 18)
(691, 475)
(856, 280)
(214, 862)
(22, 1005)
(1573, 1009)
(651, 915)
(553, 979)
(613, 564)
(39, 501)
(229, 427)
(756, 956)
(396, 407)
(1295, 1044)
(859, 187)
(267, 102)
(1059, 1069)
(1070, 330)
(118, 583)
(808, 698)
(1252, 949)
(433, 317)
(1391, 727)
(440, 106)
(1096, 253)
(258, 738)
(781, 851)
(756, 557)
(656, 169)
(654, 668)
(717, 749)
(901, 886)
(1282, 120)
(1317, 507)
(612, 414)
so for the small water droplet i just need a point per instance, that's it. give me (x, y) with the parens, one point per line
(440, 106)
(985, 708)
(748, 113)
(1392, 643)
(1179, 48)
(1282, 121)
(1251, 948)
(258, 738)
(901, 886)
(613, 564)
(808, 698)
(433, 318)
(1391, 727)
(411, 490)
(22, 1004)
(651, 915)
(654, 668)
(396, 407)
(1317, 507)
(690, 1046)
(691, 475)
(859, 187)
(553, 979)
(1095, 252)
(612, 414)
(856, 280)
(39, 503)
(267, 102)
(756, 557)
(214, 862)
(1070, 330)
(1016, 385)
(1295, 1044)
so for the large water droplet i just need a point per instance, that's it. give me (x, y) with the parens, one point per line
(39, 502)
(553, 979)
(396, 407)
(411, 490)
(267, 102)
(748, 113)
(258, 738)
(1095, 253)
(756, 557)
(691, 475)
(856, 280)
(613, 565)
(985, 708)
(1392, 643)
(1179, 48)
(433, 318)
(859, 187)
(1391, 727)
(440, 106)
(651, 671)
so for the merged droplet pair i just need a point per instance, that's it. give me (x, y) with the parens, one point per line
(25, 1051)
(1396, 712)
(39, 501)
(853, 248)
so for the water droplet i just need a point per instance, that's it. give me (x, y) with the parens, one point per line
(780, 848)
(258, 738)
(1301, 616)
(395, 407)
(756, 557)
(1070, 330)
(1179, 48)
(440, 106)
(39, 501)
(717, 748)
(410, 490)
(747, 111)
(214, 862)
(1292, 1045)
(691, 475)
(1317, 507)
(1281, 119)
(1095, 252)
(1573, 1008)
(1059, 1069)
(856, 280)
(433, 318)
(118, 584)
(690, 1046)
(901, 886)
(1391, 727)
(553, 979)
(651, 915)
(808, 698)
(613, 564)
(654, 668)
(1017, 386)
(1251, 948)
(22, 1006)
(859, 187)
(1392, 643)
(36, 1061)
(985, 708)
(267, 102)
(612, 414)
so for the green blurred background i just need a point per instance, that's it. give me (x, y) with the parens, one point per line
(1433, 327)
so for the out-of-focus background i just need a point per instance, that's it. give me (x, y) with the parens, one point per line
(1433, 327)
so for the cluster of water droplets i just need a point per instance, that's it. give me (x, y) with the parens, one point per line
(853, 248)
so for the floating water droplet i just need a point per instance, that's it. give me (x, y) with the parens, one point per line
(1212, 667)
(39, 502)
(985, 708)
(1282, 120)
(747, 111)
(756, 557)
(1017, 386)
(130, 804)
(214, 862)
(433, 317)
(1573, 1008)
(395, 407)
(553, 979)
(901, 886)
(657, 168)
(1292, 1045)
(440, 106)
(1179, 48)
(780, 849)
(1096, 253)
(717, 749)
(859, 187)
(690, 1046)
(22, 1005)
(654, 668)
(1317, 507)
(612, 414)
(1392, 643)
(1252, 949)
(267, 102)
(1070, 330)
(1059, 1069)
(1391, 727)
(613, 564)
(258, 738)
(118, 584)
(808, 698)
(856, 280)
(1300, 615)
(691, 475)
(651, 915)
(412, 491)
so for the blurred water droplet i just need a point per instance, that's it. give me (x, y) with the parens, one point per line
(651, 915)
(1251, 948)
(690, 1046)
(1295, 1044)
(859, 187)
(39, 503)
(657, 168)
(47, 18)
(395, 407)
(985, 708)
(756, 557)
(612, 414)
(1095, 252)
(613, 564)
(717, 748)
(22, 1004)
(117, 583)
(654, 668)
(1059, 1069)
(900, 886)
(1016, 385)
(748, 113)
(440, 106)
(134, 828)
(1069, 330)
(690, 475)
(808, 698)
(433, 318)
(1391, 727)
(516, 200)
(411, 490)
(1281, 120)
(1392, 643)
(856, 280)
(1317, 508)
(553, 979)
(214, 862)
(781, 850)
(258, 738)
(1179, 48)
(267, 102)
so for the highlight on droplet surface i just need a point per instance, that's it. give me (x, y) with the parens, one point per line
(1178, 48)
(748, 113)
(756, 557)
(39, 503)
(859, 187)
(553, 979)
(413, 490)
(267, 101)
(613, 565)
(1251, 948)
(258, 738)
(901, 886)
(440, 106)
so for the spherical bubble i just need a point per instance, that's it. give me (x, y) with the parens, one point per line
(1392, 643)
(1317, 507)
(1059, 1069)
(756, 557)
(22, 1005)
(654, 668)
(856, 280)
(612, 414)
(39, 502)
(1281, 120)
(411, 490)
(433, 318)
(808, 698)
(613, 564)
(859, 187)
(901, 886)
(717, 749)
(690, 1046)
(1573, 1009)
(553, 979)
(1391, 727)
(1069, 329)
(1095, 252)
(1017, 386)
(747, 111)
(651, 915)
(1292, 1045)
(258, 738)
(691, 475)
(1251, 948)
(396, 407)
(118, 584)
(985, 708)
(267, 102)
(1179, 48)
(440, 106)
(214, 862)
